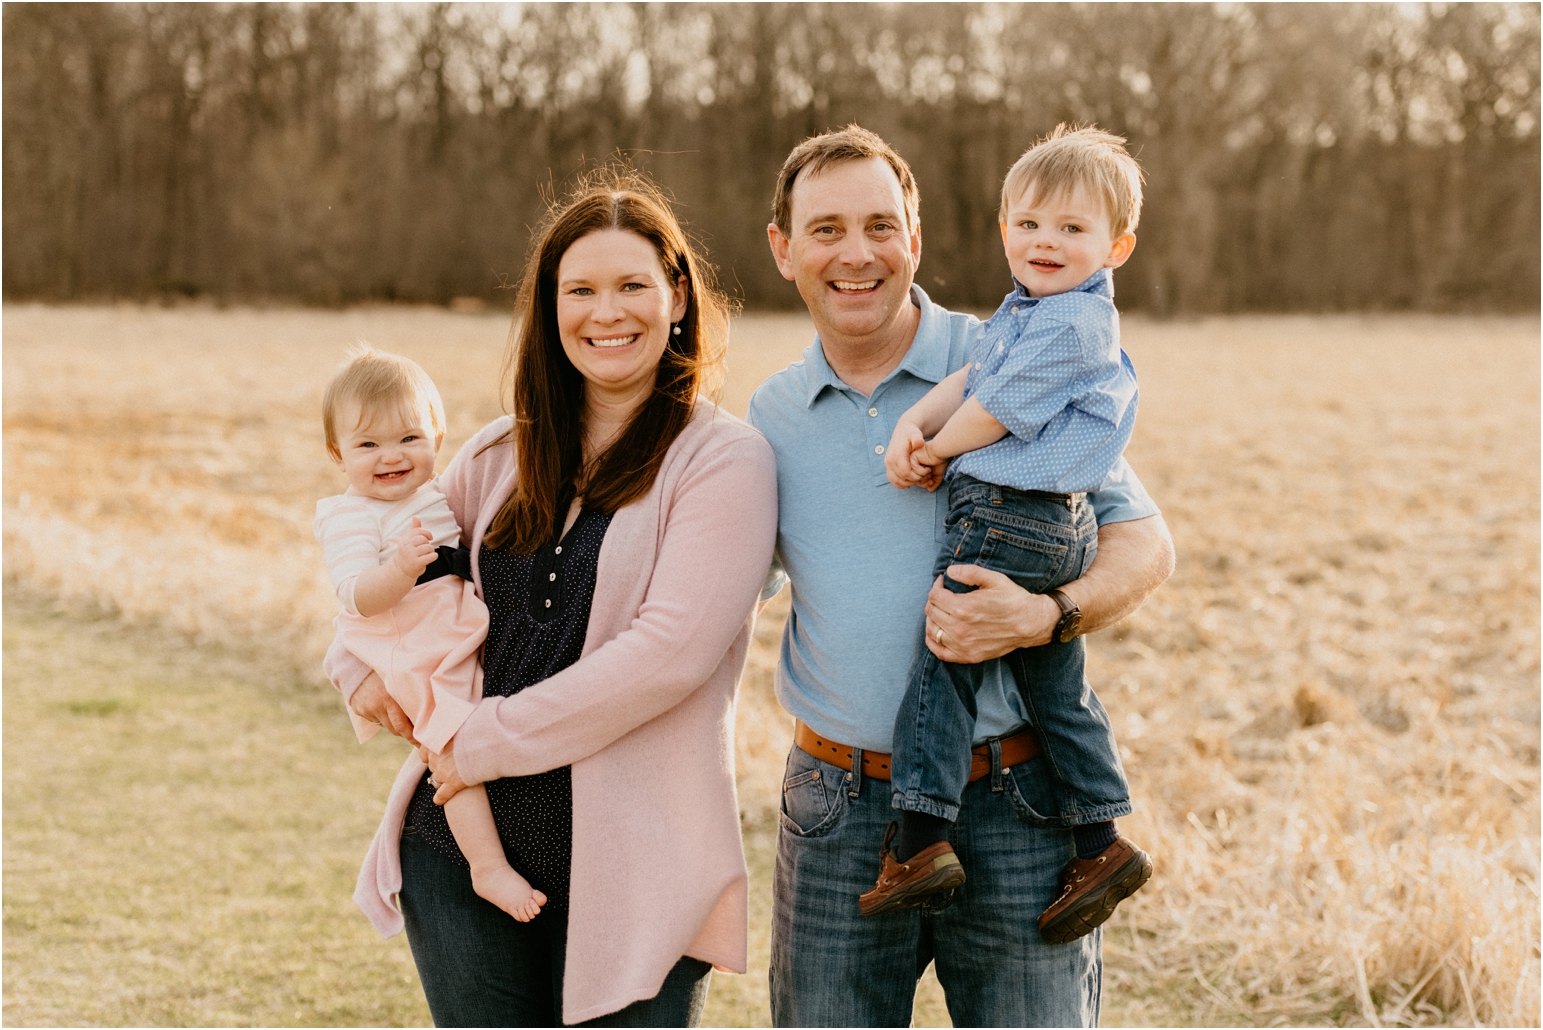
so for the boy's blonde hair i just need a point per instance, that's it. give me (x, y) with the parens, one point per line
(1084, 156)
(377, 381)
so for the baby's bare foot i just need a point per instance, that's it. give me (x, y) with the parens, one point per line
(508, 890)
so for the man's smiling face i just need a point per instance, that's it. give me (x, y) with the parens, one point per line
(851, 251)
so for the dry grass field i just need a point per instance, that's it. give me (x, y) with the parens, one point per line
(1330, 713)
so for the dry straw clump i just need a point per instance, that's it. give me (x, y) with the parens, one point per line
(1330, 714)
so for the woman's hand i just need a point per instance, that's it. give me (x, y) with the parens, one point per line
(370, 701)
(443, 773)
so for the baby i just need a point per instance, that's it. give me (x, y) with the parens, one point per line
(1036, 419)
(405, 615)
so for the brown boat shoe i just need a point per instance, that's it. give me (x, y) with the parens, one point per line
(932, 871)
(1091, 888)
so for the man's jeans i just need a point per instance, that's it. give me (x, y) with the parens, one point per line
(480, 967)
(832, 967)
(1040, 541)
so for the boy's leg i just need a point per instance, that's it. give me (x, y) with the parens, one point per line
(989, 526)
(930, 764)
(1083, 762)
(1090, 789)
(936, 722)
(1073, 730)
(1042, 541)
(471, 823)
(933, 733)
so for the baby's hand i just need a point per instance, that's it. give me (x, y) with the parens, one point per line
(898, 465)
(927, 467)
(414, 551)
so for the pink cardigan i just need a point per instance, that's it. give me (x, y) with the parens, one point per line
(645, 717)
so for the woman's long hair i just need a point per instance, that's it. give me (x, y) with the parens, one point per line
(547, 393)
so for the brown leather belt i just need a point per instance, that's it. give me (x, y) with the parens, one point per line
(1017, 749)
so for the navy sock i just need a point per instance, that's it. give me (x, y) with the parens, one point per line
(1093, 838)
(919, 831)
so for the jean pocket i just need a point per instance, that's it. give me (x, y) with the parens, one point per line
(1031, 793)
(1088, 548)
(1034, 563)
(811, 796)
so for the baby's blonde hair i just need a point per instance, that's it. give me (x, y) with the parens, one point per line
(377, 381)
(1080, 156)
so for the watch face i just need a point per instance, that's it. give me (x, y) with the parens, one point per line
(1071, 622)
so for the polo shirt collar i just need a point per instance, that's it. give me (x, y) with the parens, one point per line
(818, 374)
(927, 359)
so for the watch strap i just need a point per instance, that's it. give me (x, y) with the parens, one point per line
(1071, 616)
(1067, 605)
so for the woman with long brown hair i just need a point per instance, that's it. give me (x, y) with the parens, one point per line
(620, 527)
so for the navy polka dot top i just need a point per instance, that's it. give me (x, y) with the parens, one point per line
(538, 607)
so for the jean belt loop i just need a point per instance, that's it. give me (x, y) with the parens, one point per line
(995, 743)
(855, 783)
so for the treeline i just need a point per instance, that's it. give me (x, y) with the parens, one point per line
(1299, 157)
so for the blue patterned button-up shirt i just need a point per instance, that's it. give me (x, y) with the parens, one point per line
(1051, 370)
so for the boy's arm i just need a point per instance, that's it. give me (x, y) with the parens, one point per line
(920, 421)
(969, 428)
(931, 412)
(377, 589)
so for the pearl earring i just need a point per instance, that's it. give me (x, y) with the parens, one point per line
(676, 330)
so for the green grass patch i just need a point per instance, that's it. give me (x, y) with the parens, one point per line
(182, 830)
(183, 825)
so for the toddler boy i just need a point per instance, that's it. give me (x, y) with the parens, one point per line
(1034, 421)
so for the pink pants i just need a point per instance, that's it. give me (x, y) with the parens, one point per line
(425, 650)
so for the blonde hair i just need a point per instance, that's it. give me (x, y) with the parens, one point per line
(1080, 156)
(377, 382)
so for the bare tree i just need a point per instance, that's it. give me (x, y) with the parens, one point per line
(1299, 157)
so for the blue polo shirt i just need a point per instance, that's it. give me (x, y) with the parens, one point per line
(859, 552)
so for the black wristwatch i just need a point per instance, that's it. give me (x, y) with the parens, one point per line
(1071, 618)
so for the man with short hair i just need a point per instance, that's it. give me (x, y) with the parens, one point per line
(858, 552)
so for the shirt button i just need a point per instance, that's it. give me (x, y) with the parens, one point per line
(879, 449)
(1016, 309)
(558, 551)
(977, 366)
(873, 412)
(549, 602)
(552, 578)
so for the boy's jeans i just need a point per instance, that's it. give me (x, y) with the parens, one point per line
(1040, 541)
